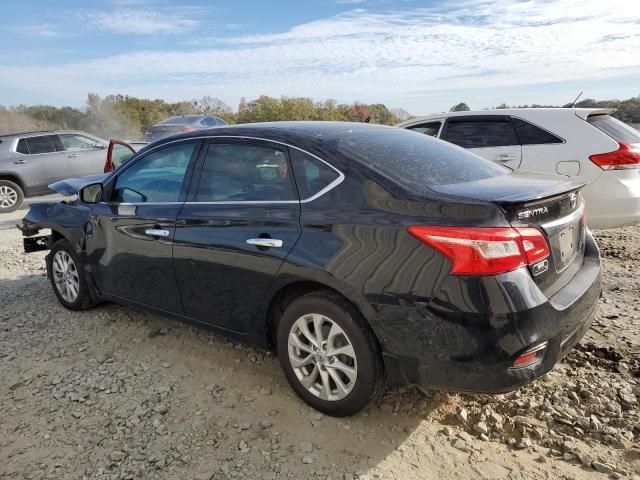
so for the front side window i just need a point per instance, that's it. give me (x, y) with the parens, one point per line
(529, 134)
(72, 141)
(244, 172)
(480, 133)
(42, 144)
(157, 177)
(312, 175)
(431, 128)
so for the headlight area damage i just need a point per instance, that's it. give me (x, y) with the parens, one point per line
(66, 219)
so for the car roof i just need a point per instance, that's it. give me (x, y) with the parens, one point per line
(289, 132)
(317, 129)
(523, 112)
(45, 132)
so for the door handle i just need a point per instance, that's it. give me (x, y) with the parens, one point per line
(505, 157)
(157, 232)
(20, 162)
(265, 242)
(73, 155)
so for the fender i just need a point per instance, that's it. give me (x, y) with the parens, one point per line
(69, 220)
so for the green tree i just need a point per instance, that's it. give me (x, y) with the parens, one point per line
(460, 107)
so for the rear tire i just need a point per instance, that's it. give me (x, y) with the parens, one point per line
(338, 373)
(11, 196)
(66, 273)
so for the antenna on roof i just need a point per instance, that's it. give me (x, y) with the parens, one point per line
(574, 102)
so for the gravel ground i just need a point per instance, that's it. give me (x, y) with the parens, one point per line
(115, 393)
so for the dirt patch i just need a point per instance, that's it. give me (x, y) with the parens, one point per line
(115, 393)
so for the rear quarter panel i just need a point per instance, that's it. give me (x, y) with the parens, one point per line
(581, 141)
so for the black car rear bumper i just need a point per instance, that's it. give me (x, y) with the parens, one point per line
(468, 337)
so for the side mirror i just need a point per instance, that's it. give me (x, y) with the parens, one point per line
(91, 193)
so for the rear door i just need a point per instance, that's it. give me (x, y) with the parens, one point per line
(543, 150)
(131, 237)
(40, 160)
(85, 155)
(491, 136)
(240, 222)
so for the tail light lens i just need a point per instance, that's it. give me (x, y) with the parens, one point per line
(484, 251)
(627, 156)
(189, 129)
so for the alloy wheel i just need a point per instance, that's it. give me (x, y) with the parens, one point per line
(65, 276)
(8, 196)
(322, 357)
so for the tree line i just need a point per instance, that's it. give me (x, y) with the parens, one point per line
(124, 116)
(127, 117)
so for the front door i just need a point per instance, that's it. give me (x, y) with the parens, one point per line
(131, 238)
(85, 155)
(490, 136)
(234, 233)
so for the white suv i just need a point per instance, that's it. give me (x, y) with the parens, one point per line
(583, 142)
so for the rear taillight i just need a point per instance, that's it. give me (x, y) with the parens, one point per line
(189, 129)
(627, 156)
(484, 250)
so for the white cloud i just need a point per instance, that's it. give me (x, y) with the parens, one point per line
(400, 58)
(141, 22)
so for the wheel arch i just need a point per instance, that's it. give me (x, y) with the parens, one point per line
(287, 293)
(12, 177)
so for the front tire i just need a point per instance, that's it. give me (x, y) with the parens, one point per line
(67, 277)
(328, 354)
(11, 196)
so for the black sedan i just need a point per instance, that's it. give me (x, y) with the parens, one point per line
(365, 255)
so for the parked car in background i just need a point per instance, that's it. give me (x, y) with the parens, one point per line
(361, 253)
(181, 124)
(579, 142)
(32, 160)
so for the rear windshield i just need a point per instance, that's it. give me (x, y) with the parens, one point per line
(619, 131)
(179, 121)
(414, 160)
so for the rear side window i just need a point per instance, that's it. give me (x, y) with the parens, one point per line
(415, 161)
(22, 147)
(43, 144)
(245, 173)
(431, 128)
(619, 131)
(529, 134)
(480, 133)
(312, 175)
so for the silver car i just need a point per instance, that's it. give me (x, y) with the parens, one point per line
(31, 161)
(181, 124)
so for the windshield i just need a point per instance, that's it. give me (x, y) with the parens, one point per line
(415, 160)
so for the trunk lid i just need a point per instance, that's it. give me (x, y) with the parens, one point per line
(549, 203)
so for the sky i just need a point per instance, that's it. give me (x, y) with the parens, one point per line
(421, 56)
